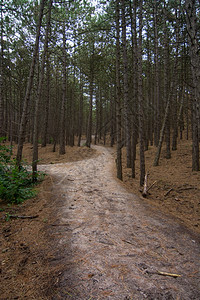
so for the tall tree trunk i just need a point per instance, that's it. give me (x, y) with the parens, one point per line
(29, 88)
(192, 28)
(112, 118)
(166, 91)
(39, 92)
(1, 75)
(89, 127)
(47, 102)
(162, 132)
(80, 119)
(100, 113)
(156, 76)
(134, 110)
(126, 96)
(97, 116)
(64, 89)
(157, 157)
(118, 102)
(140, 97)
(180, 93)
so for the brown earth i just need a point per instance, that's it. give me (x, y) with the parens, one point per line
(177, 188)
(93, 239)
(26, 244)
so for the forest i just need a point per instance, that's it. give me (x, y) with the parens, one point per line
(124, 71)
(99, 133)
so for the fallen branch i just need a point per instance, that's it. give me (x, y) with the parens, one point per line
(167, 193)
(23, 217)
(163, 273)
(168, 274)
(151, 186)
(187, 188)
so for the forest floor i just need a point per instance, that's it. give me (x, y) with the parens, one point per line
(94, 239)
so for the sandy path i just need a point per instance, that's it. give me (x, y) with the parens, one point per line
(114, 243)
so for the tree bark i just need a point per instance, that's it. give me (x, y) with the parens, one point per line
(162, 132)
(156, 76)
(112, 118)
(157, 156)
(1, 75)
(166, 76)
(134, 111)
(89, 127)
(80, 119)
(140, 97)
(47, 102)
(118, 104)
(96, 139)
(190, 8)
(29, 88)
(126, 96)
(64, 89)
(37, 102)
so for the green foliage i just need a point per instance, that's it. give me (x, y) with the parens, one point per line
(15, 183)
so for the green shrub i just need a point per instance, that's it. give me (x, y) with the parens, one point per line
(15, 183)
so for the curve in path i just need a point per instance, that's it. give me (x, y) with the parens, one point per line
(114, 243)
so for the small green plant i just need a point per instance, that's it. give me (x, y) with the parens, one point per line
(7, 217)
(15, 183)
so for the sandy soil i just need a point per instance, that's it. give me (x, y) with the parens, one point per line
(95, 240)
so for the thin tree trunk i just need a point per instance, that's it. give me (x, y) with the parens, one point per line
(162, 132)
(177, 121)
(166, 74)
(140, 97)
(64, 88)
(157, 157)
(29, 88)
(37, 102)
(190, 7)
(89, 127)
(118, 105)
(97, 117)
(180, 93)
(167, 108)
(80, 124)
(135, 84)
(126, 96)
(156, 76)
(1, 76)
(112, 113)
(47, 102)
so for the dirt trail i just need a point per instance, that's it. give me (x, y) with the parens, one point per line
(113, 243)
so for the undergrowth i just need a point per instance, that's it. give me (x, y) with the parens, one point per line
(16, 183)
